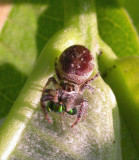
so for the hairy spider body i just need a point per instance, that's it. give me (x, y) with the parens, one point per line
(74, 67)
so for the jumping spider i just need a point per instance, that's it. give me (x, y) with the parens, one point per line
(75, 66)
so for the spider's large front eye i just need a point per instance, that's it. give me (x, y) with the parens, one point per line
(76, 64)
(69, 89)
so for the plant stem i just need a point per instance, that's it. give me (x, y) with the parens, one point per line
(81, 15)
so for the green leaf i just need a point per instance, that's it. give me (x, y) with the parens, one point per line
(125, 75)
(116, 29)
(21, 42)
(132, 9)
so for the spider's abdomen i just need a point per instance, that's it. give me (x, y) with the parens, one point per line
(76, 64)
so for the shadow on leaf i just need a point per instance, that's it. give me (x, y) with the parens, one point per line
(11, 82)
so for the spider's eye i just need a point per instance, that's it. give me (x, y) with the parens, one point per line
(69, 89)
(73, 88)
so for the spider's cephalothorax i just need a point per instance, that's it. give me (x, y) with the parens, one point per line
(75, 66)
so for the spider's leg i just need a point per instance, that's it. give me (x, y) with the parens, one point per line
(45, 98)
(52, 92)
(56, 96)
(85, 85)
(88, 87)
(85, 111)
(53, 80)
(81, 112)
(49, 91)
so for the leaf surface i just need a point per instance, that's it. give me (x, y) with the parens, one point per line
(119, 31)
(116, 28)
(28, 28)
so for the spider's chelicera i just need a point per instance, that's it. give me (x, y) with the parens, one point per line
(74, 68)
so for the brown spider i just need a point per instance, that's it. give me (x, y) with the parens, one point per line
(74, 67)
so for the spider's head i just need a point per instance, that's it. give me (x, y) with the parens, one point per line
(75, 64)
(67, 86)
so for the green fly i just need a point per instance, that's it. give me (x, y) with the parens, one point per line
(59, 108)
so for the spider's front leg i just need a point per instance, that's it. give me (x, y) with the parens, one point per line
(82, 111)
(51, 79)
(85, 85)
(51, 92)
(45, 98)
